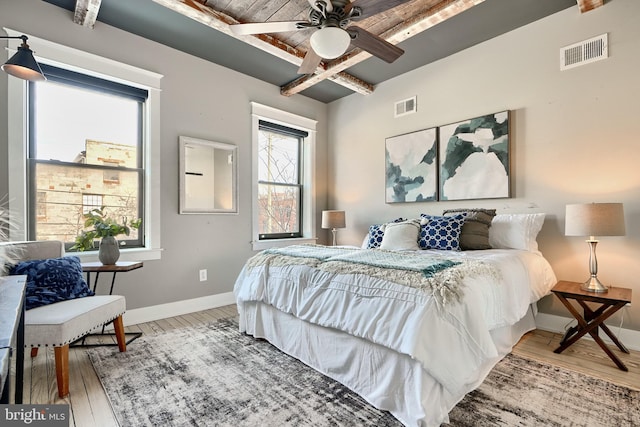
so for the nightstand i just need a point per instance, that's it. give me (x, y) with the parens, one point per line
(592, 320)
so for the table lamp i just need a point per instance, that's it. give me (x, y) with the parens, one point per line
(594, 219)
(333, 220)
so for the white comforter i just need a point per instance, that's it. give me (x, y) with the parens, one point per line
(450, 342)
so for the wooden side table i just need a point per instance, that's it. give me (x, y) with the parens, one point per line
(592, 320)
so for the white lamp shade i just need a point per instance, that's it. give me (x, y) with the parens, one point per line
(594, 219)
(330, 42)
(333, 219)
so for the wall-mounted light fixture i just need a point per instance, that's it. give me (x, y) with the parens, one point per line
(23, 65)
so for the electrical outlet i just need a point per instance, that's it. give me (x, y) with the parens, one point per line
(203, 275)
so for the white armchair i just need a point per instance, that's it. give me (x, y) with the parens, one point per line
(59, 324)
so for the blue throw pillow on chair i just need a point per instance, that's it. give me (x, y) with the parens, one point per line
(52, 280)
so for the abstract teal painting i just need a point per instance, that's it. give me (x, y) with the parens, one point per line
(411, 167)
(474, 158)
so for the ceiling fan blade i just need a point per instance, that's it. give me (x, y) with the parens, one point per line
(373, 44)
(310, 62)
(371, 7)
(265, 27)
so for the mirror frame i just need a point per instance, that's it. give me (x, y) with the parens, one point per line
(185, 141)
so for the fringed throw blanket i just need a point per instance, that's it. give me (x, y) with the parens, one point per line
(438, 275)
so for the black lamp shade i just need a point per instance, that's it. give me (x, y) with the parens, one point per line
(23, 65)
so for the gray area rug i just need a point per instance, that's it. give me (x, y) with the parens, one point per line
(212, 375)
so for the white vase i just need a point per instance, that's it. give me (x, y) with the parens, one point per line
(109, 251)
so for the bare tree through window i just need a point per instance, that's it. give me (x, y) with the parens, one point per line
(279, 183)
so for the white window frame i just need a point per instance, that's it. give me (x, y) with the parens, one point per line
(76, 60)
(273, 115)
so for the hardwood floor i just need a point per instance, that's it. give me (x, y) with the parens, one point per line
(89, 405)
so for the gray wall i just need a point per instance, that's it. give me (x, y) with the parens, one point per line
(575, 137)
(201, 100)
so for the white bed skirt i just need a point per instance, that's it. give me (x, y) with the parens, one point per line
(386, 379)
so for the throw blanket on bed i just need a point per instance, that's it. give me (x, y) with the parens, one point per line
(408, 261)
(311, 251)
(439, 276)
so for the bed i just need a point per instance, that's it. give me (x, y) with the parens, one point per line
(410, 329)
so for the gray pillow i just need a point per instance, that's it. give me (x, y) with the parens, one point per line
(475, 230)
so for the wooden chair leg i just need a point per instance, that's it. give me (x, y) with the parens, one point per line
(34, 351)
(120, 337)
(62, 369)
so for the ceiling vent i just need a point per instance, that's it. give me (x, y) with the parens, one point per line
(406, 106)
(585, 52)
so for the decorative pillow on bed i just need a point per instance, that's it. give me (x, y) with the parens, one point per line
(52, 280)
(516, 231)
(475, 231)
(440, 232)
(401, 236)
(376, 233)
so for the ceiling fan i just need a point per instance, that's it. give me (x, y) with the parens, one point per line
(332, 18)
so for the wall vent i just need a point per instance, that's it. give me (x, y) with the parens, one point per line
(406, 106)
(584, 52)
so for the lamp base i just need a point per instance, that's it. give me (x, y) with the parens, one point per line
(594, 285)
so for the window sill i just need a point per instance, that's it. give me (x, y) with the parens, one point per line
(133, 254)
(259, 245)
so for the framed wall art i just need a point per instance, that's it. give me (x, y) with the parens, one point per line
(474, 159)
(411, 167)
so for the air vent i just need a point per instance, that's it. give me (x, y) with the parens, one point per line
(585, 52)
(406, 106)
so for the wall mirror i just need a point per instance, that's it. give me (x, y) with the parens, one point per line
(208, 177)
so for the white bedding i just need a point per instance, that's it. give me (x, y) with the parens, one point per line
(452, 342)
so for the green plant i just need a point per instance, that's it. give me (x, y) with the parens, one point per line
(102, 227)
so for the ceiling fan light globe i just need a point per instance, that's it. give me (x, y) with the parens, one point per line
(330, 42)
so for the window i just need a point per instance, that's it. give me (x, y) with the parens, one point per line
(91, 202)
(23, 199)
(283, 171)
(280, 187)
(91, 143)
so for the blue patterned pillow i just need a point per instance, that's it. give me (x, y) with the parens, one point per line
(52, 280)
(376, 233)
(440, 232)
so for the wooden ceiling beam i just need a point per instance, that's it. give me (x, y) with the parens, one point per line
(86, 12)
(206, 15)
(442, 11)
(587, 5)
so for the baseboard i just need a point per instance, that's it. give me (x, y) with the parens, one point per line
(178, 308)
(552, 323)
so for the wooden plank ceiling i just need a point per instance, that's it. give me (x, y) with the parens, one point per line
(394, 25)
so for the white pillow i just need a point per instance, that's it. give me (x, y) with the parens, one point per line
(516, 231)
(400, 236)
